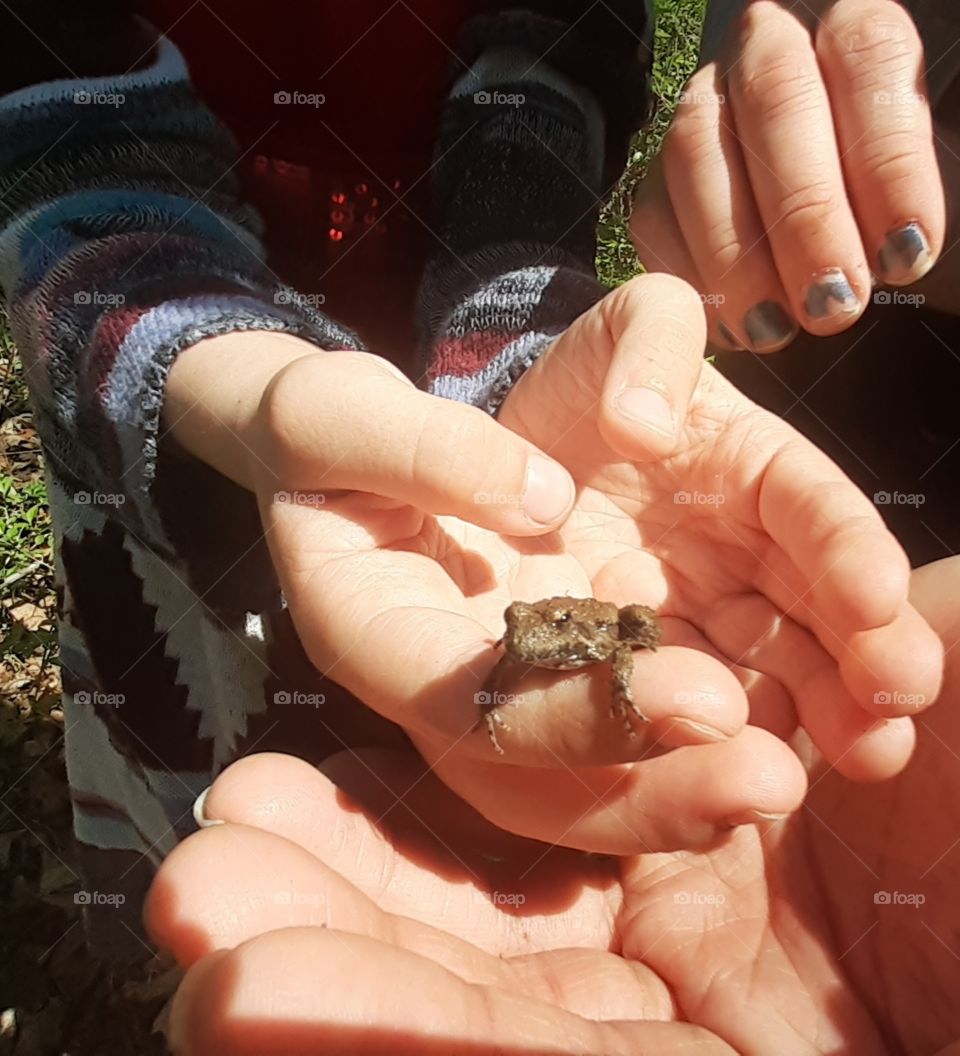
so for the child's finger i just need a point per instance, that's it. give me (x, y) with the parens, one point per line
(647, 338)
(351, 421)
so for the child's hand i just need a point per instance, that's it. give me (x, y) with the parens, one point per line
(783, 594)
(290, 422)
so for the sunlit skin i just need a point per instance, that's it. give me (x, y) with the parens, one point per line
(749, 543)
(786, 622)
(438, 926)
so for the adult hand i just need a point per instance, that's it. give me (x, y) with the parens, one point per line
(783, 598)
(365, 909)
(798, 163)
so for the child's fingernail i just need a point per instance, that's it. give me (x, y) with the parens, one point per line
(730, 337)
(549, 491)
(752, 817)
(830, 295)
(905, 256)
(199, 816)
(648, 407)
(769, 327)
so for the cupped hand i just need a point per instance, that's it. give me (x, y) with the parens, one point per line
(799, 164)
(365, 909)
(782, 595)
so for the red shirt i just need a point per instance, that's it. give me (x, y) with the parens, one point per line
(366, 82)
(383, 69)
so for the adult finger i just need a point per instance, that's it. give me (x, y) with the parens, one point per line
(857, 743)
(872, 62)
(310, 990)
(832, 532)
(387, 826)
(786, 129)
(713, 201)
(661, 247)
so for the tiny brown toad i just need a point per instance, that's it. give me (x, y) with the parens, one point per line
(567, 633)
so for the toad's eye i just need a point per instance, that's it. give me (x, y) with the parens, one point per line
(564, 617)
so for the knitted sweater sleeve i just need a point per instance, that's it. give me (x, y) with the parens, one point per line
(122, 242)
(534, 134)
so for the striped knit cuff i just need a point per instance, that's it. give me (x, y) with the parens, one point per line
(499, 330)
(518, 188)
(125, 241)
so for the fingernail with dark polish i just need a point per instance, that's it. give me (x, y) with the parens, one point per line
(768, 326)
(730, 337)
(905, 255)
(830, 294)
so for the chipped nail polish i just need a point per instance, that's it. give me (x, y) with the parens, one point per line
(830, 294)
(768, 326)
(905, 255)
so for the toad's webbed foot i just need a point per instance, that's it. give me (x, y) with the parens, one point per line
(622, 694)
(494, 719)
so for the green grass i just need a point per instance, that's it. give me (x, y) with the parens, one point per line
(677, 41)
(27, 637)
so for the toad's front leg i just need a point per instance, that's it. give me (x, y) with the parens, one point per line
(488, 698)
(622, 693)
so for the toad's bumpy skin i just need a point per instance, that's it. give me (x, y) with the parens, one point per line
(568, 633)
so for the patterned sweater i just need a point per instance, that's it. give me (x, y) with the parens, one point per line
(125, 240)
